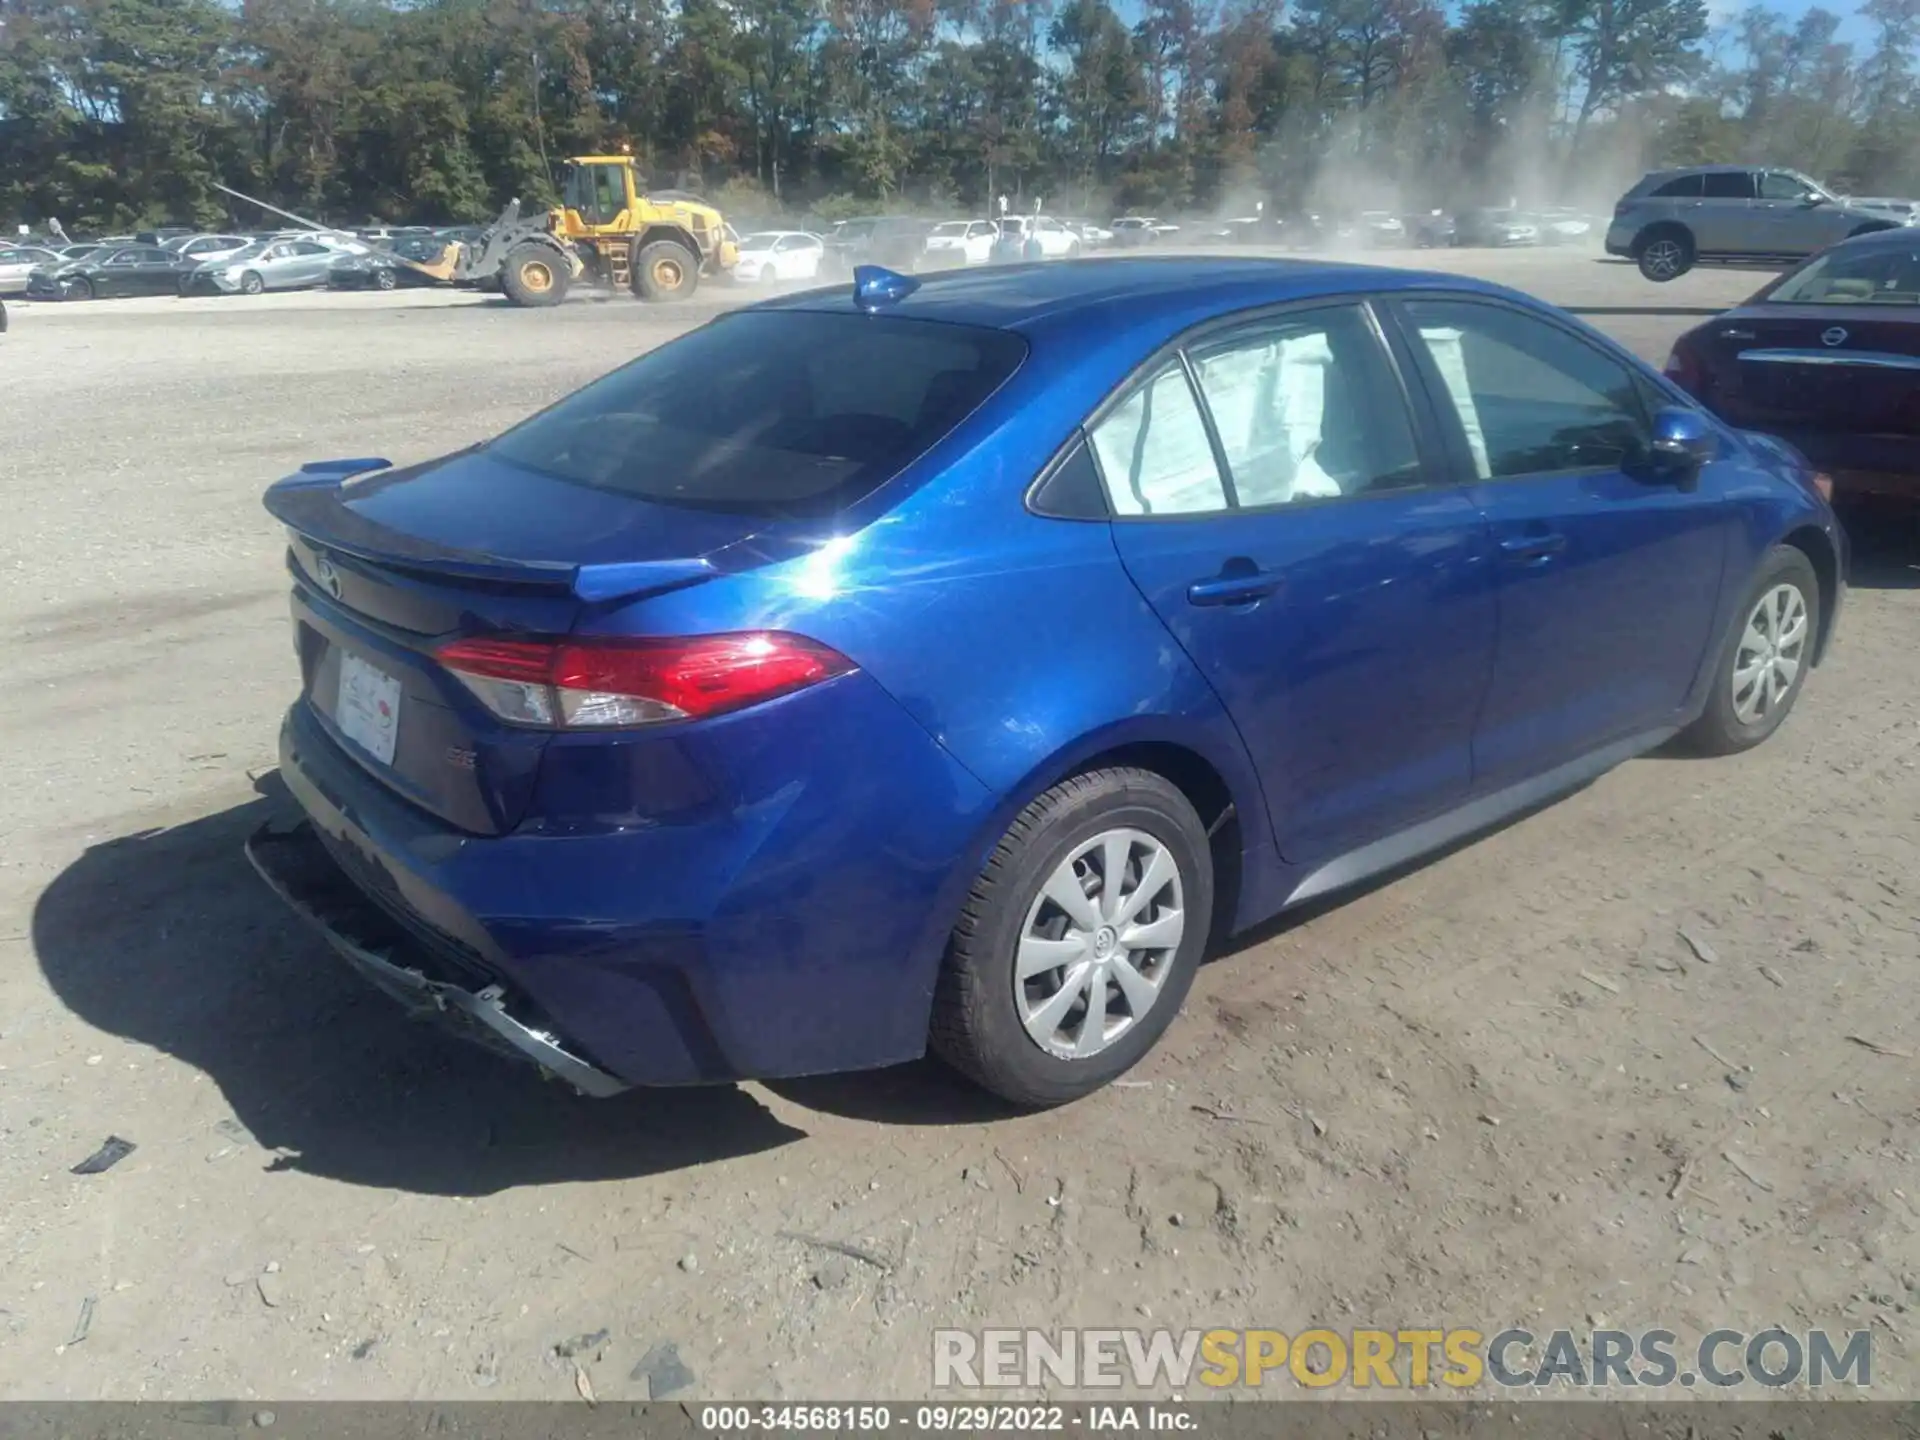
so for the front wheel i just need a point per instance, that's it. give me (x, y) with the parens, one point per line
(666, 270)
(1765, 662)
(251, 283)
(535, 275)
(79, 289)
(1665, 255)
(384, 279)
(1079, 940)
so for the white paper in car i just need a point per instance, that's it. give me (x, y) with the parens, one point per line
(1450, 358)
(1270, 404)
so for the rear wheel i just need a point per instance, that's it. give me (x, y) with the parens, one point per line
(383, 278)
(666, 270)
(535, 275)
(1079, 940)
(1765, 662)
(1665, 253)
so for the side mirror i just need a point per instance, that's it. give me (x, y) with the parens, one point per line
(1683, 441)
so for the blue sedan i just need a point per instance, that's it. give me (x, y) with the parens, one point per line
(952, 662)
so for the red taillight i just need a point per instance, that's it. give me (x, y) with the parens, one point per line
(1823, 483)
(591, 682)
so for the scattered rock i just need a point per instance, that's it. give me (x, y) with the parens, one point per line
(262, 1419)
(690, 1262)
(84, 1323)
(832, 1273)
(589, 1344)
(1702, 951)
(662, 1371)
(272, 1290)
(1737, 1081)
(1490, 1120)
(111, 1152)
(1176, 1220)
(585, 1386)
(364, 1348)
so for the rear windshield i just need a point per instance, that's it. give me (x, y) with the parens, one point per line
(777, 412)
(1878, 274)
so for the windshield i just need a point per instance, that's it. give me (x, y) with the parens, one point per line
(758, 242)
(949, 227)
(250, 252)
(775, 412)
(1873, 275)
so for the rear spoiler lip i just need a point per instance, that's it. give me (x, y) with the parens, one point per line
(590, 584)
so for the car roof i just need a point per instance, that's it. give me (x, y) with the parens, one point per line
(1161, 294)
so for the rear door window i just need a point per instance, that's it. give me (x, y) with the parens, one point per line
(1154, 451)
(1683, 187)
(1728, 185)
(777, 412)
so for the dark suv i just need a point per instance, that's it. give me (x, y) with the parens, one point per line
(1676, 219)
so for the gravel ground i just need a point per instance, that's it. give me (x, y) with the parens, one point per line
(1501, 1088)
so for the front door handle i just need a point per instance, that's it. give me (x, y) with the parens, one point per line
(1531, 549)
(1235, 586)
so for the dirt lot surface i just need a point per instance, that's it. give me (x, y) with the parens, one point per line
(1503, 1088)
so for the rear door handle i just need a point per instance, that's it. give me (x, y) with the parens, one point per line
(1236, 589)
(1531, 548)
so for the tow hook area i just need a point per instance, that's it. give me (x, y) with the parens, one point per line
(296, 866)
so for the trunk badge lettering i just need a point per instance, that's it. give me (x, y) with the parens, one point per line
(1835, 336)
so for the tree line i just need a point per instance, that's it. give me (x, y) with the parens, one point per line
(118, 113)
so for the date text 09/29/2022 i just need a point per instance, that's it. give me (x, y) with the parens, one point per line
(944, 1419)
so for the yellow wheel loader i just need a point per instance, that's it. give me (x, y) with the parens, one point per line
(607, 231)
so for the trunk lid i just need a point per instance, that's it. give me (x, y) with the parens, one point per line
(1817, 368)
(390, 566)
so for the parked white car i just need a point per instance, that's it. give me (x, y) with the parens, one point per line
(1091, 235)
(19, 261)
(779, 255)
(1057, 242)
(971, 240)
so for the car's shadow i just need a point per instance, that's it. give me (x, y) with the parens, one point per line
(1885, 535)
(169, 939)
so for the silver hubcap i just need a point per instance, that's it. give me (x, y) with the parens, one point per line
(1099, 943)
(1663, 257)
(1771, 649)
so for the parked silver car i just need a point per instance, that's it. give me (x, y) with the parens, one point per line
(206, 247)
(17, 262)
(288, 264)
(1676, 219)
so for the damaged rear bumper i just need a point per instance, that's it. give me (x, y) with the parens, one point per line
(296, 865)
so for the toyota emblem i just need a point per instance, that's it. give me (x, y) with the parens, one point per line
(1835, 336)
(328, 577)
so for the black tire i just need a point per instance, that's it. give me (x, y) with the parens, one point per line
(665, 270)
(80, 288)
(1664, 252)
(1720, 729)
(251, 283)
(535, 275)
(976, 1026)
(384, 279)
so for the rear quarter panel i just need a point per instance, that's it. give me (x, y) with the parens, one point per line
(1016, 641)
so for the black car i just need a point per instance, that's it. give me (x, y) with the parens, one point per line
(384, 270)
(125, 270)
(895, 241)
